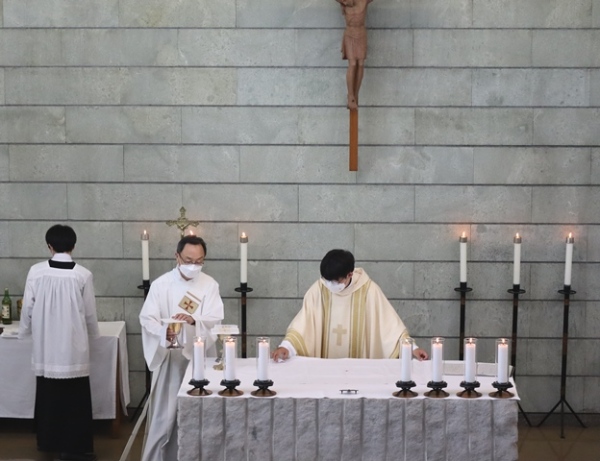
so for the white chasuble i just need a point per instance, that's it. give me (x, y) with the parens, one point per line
(358, 322)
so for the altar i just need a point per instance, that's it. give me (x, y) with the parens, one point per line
(109, 373)
(314, 417)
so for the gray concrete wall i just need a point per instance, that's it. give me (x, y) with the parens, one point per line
(479, 116)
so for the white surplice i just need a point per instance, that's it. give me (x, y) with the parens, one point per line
(166, 295)
(59, 311)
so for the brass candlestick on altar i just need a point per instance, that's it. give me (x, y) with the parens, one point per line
(182, 223)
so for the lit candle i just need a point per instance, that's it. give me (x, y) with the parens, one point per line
(502, 351)
(229, 358)
(145, 256)
(198, 368)
(437, 357)
(243, 258)
(517, 259)
(463, 258)
(405, 374)
(470, 359)
(262, 360)
(569, 259)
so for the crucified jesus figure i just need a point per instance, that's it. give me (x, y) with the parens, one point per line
(354, 45)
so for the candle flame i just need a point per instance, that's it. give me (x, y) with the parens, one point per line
(145, 232)
(243, 235)
(570, 235)
(191, 232)
(464, 235)
(517, 235)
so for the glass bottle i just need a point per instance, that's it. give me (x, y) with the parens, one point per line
(6, 308)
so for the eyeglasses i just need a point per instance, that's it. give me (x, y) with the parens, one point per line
(199, 262)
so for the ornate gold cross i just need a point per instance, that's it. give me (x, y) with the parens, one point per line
(182, 223)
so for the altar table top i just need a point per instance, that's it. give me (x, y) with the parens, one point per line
(305, 377)
(17, 380)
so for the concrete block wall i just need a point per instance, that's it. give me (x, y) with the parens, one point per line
(479, 116)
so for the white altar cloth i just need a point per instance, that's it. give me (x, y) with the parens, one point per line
(17, 380)
(310, 419)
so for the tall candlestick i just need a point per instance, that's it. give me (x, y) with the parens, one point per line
(262, 361)
(502, 360)
(145, 256)
(198, 364)
(243, 258)
(470, 359)
(463, 258)
(229, 345)
(569, 259)
(405, 374)
(517, 260)
(437, 359)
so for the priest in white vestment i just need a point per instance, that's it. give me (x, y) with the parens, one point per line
(188, 294)
(344, 315)
(59, 312)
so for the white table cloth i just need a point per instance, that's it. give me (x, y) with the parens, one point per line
(17, 380)
(310, 419)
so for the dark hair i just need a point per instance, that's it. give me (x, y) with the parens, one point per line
(190, 240)
(337, 264)
(61, 238)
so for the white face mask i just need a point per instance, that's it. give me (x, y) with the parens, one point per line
(333, 286)
(191, 271)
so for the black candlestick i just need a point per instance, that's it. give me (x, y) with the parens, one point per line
(566, 291)
(516, 291)
(469, 390)
(263, 388)
(243, 289)
(230, 388)
(405, 389)
(502, 392)
(146, 287)
(463, 289)
(199, 385)
(437, 389)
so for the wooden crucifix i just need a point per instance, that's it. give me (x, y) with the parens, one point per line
(354, 49)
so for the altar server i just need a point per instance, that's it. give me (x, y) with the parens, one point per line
(344, 314)
(59, 312)
(185, 293)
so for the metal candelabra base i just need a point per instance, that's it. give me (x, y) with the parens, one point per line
(230, 388)
(405, 390)
(199, 388)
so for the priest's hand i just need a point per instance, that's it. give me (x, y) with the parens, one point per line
(280, 354)
(188, 318)
(420, 354)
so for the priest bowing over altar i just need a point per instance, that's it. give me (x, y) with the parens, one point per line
(344, 315)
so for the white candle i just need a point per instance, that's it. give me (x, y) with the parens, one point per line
(517, 260)
(145, 256)
(569, 259)
(263, 359)
(198, 369)
(463, 258)
(502, 373)
(405, 374)
(437, 357)
(229, 359)
(243, 258)
(470, 360)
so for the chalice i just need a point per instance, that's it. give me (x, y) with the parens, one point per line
(175, 327)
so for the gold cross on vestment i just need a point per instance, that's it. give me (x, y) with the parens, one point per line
(339, 331)
(182, 223)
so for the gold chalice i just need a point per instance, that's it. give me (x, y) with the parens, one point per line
(175, 327)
